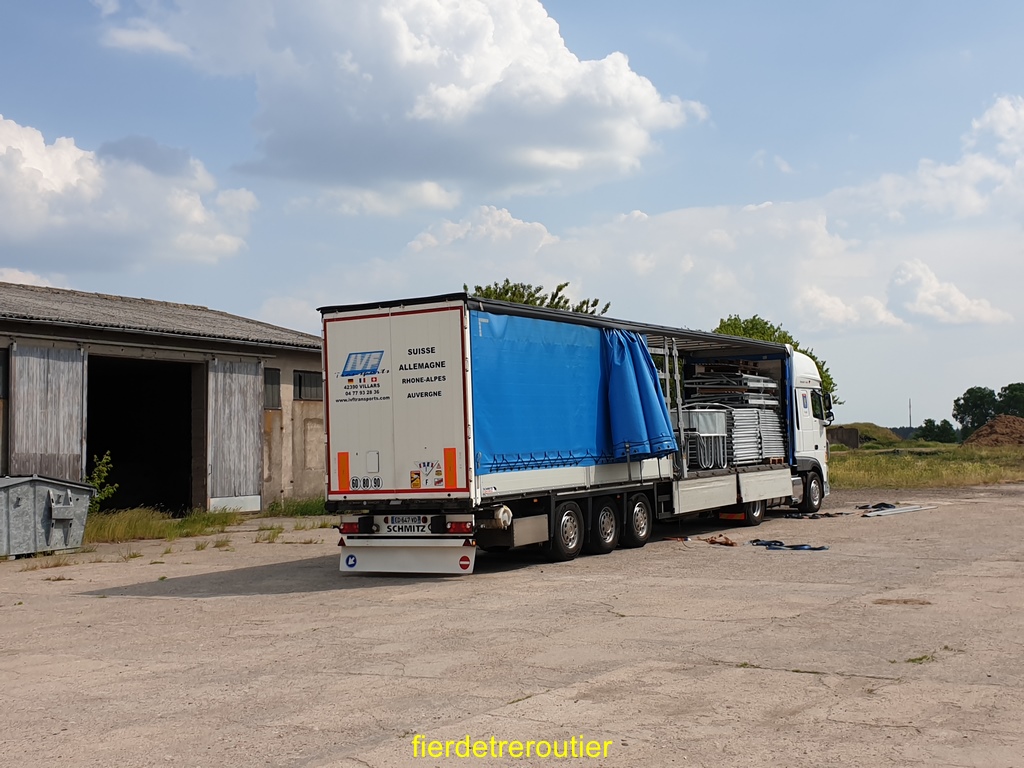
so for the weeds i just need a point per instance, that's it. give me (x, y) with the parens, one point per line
(222, 542)
(58, 578)
(921, 659)
(201, 545)
(310, 507)
(308, 525)
(268, 534)
(168, 551)
(87, 549)
(128, 554)
(54, 561)
(144, 523)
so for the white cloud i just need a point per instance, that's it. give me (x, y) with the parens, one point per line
(820, 309)
(1005, 121)
(140, 35)
(128, 202)
(916, 291)
(107, 7)
(782, 165)
(371, 97)
(9, 275)
(393, 200)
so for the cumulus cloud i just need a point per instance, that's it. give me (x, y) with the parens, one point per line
(915, 291)
(128, 201)
(820, 309)
(374, 96)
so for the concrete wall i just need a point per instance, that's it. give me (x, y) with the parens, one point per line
(293, 436)
(844, 435)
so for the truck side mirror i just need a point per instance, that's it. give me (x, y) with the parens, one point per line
(828, 402)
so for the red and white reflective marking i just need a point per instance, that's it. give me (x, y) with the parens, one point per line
(464, 562)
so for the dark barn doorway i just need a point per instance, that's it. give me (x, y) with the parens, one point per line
(141, 411)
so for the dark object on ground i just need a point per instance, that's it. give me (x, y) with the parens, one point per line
(775, 544)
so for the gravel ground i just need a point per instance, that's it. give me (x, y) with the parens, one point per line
(900, 645)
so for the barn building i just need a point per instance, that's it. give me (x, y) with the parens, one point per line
(198, 408)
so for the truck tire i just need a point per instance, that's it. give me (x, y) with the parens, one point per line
(637, 522)
(567, 539)
(753, 512)
(812, 494)
(603, 535)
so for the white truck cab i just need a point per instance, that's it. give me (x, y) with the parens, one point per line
(812, 411)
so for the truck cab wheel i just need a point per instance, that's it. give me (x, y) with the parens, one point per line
(637, 522)
(813, 494)
(603, 535)
(567, 539)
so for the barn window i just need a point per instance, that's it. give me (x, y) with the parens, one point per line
(309, 385)
(271, 387)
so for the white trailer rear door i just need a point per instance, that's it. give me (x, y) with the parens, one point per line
(397, 403)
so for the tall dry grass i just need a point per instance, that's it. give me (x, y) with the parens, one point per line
(947, 467)
(124, 525)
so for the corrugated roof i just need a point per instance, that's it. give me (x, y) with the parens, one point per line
(60, 306)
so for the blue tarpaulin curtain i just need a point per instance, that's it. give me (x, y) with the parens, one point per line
(640, 424)
(552, 394)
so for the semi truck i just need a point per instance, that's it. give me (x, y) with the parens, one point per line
(456, 423)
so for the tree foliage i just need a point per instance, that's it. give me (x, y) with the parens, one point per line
(534, 296)
(757, 327)
(974, 408)
(1011, 400)
(943, 432)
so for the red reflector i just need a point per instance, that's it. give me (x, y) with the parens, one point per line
(460, 527)
(349, 528)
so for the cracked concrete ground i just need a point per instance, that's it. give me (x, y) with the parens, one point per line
(900, 645)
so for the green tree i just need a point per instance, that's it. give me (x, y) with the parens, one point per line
(1011, 400)
(943, 432)
(973, 409)
(534, 296)
(757, 327)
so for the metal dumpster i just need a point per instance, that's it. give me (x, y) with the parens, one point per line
(40, 514)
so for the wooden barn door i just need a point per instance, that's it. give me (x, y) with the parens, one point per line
(235, 419)
(47, 411)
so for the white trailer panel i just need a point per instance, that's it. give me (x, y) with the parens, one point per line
(397, 403)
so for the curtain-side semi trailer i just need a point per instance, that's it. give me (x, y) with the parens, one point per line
(455, 423)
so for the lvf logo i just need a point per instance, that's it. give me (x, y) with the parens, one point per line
(363, 363)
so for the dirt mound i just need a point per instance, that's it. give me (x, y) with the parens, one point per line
(1002, 430)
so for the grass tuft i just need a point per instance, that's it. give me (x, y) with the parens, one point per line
(62, 577)
(267, 534)
(201, 545)
(53, 561)
(222, 542)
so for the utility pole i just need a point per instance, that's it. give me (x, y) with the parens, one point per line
(910, 409)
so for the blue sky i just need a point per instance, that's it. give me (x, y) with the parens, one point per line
(854, 172)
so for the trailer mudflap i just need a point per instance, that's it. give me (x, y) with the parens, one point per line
(394, 555)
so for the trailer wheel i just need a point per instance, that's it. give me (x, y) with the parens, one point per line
(603, 535)
(567, 541)
(753, 512)
(638, 521)
(812, 494)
